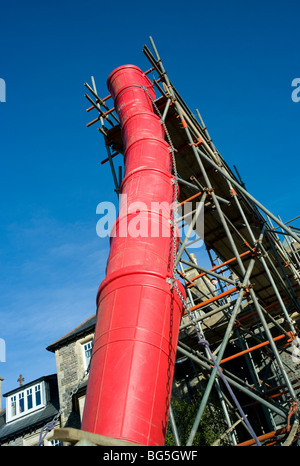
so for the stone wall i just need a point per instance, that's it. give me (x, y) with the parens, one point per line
(70, 365)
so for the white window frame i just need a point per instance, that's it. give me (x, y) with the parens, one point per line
(29, 392)
(22, 394)
(86, 343)
(12, 402)
(54, 443)
(20, 399)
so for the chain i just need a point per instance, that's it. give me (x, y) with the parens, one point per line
(172, 281)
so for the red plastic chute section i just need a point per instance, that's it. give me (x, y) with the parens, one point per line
(138, 315)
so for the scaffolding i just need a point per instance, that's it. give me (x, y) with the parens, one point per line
(240, 321)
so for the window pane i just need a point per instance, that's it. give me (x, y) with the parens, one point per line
(88, 351)
(55, 443)
(38, 395)
(21, 402)
(29, 398)
(13, 406)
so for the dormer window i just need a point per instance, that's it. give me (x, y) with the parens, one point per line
(25, 401)
(87, 351)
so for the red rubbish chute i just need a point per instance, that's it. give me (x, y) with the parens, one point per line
(138, 315)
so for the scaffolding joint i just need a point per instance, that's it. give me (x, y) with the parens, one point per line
(246, 288)
(197, 142)
(209, 192)
(256, 251)
(232, 192)
(167, 90)
(183, 123)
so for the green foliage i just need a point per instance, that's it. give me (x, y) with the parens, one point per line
(211, 427)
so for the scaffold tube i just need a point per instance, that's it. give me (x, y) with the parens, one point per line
(138, 313)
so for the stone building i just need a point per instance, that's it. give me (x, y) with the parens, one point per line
(72, 354)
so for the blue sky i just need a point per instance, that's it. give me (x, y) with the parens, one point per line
(233, 60)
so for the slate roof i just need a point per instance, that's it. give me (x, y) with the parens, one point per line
(33, 421)
(83, 329)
